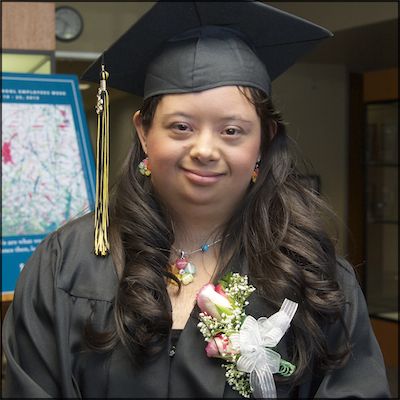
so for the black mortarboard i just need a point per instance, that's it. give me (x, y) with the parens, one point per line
(175, 47)
(181, 47)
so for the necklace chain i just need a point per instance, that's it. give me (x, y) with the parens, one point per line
(204, 248)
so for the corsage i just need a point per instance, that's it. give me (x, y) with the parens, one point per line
(246, 344)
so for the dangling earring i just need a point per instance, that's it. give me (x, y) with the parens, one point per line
(144, 167)
(256, 170)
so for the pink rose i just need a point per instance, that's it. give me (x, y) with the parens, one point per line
(212, 303)
(220, 347)
(219, 289)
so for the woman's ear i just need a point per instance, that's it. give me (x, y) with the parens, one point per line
(273, 128)
(137, 122)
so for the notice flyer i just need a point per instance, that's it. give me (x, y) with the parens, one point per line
(47, 164)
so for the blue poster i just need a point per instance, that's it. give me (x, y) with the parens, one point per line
(48, 174)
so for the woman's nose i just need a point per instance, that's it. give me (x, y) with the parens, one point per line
(205, 147)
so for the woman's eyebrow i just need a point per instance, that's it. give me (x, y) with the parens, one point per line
(225, 118)
(178, 114)
(236, 118)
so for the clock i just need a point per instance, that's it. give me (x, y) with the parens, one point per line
(69, 24)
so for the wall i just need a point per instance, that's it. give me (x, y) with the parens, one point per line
(333, 15)
(313, 99)
(104, 22)
(339, 15)
(23, 27)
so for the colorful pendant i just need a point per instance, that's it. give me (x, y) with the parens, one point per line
(181, 263)
(182, 268)
(190, 268)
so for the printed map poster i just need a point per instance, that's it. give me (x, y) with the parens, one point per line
(47, 164)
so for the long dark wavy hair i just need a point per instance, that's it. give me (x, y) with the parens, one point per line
(278, 229)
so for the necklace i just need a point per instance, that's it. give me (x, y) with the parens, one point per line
(182, 268)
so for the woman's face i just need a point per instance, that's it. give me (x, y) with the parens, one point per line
(202, 148)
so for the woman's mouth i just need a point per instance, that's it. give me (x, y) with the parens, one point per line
(202, 177)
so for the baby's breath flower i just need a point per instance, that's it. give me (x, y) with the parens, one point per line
(237, 379)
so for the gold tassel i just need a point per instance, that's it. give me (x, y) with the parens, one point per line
(101, 219)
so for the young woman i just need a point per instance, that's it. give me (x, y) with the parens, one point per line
(209, 183)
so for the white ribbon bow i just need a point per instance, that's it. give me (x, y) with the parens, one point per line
(252, 342)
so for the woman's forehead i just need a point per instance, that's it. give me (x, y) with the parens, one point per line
(226, 101)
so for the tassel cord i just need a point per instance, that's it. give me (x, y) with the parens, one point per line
(102, 167)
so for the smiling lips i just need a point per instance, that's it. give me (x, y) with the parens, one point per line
(202, 177)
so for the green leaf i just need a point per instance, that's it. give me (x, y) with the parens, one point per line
(226, 280)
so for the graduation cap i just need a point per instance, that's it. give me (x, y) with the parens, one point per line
(183, 47)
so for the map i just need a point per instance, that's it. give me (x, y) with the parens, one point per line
(43, 185)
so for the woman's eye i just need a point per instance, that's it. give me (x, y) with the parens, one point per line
(181, 127)
(231, 131)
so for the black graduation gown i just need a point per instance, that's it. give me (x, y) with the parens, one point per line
(63, 284)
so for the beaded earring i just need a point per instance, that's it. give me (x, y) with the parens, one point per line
(144, 167)
(256, 170)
